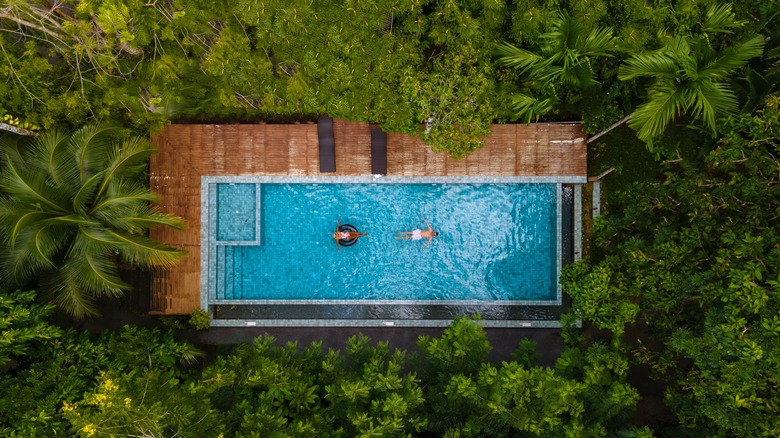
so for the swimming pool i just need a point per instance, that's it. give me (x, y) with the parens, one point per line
(268, 252)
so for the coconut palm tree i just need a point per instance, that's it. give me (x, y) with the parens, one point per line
(690, 75)
(73, 207)
(562, 60)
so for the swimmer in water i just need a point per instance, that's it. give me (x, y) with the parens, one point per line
(418, 234)
(340, 235)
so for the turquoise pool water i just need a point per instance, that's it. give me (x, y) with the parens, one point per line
(497, 242)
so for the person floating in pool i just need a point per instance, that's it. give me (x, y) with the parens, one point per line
(346, 235)
(418, 234)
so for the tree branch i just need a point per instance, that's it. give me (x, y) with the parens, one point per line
(17, 130)
(25, 23)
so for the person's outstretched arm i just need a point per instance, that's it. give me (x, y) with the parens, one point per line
(426, 223)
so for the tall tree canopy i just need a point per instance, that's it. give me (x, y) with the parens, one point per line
(690, 74)
(564, 59)
(140, 383)
(697, 258)
(72, 208)
(418, 67)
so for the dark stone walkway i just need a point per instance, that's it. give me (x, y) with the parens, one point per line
(118, 313)
(503, 341)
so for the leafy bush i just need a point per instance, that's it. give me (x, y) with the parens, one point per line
(199, 319)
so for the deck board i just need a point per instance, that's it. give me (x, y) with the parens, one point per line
(187, 152)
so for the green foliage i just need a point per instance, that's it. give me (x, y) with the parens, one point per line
(199, 319)
(585, 395)
(526, 354)
(138, 383)
(73, 207)
(563, 61)
(23, 325)
(696, 257)
(399, 64)
(690, 74)
(609, 293)
(264, 390)
(68, 374)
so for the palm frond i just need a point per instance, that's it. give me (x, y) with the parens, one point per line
(678, 48)
(142, 251)
(733, 58)
(130, 158)
(720, 19)
(710, 100)
(88, 145)
(9, 146)
(65, 291)
(86, 192)
(580, 76)
(517, 58)
(154, 220)
(141, 218)
(599, 42)
(70, 220)
(122, 195)
(566, 34)
(30, 185)
(100, 237)
(190, 355)
(546, 72)
(33, 252)
(51, 156)
(528, 108)
(96, 274)
(649, 65)
(116, 206)
(24, 219)
(664, 103)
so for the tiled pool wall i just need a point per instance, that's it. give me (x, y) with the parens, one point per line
(285, 313)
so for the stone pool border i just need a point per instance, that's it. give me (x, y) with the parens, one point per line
(208, 216)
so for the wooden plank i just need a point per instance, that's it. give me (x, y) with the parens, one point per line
(455, 166)
(258, 148)
(415, 155)
(202, 140)
(543, 147)
(312, 151)
(395, 144)
(277, 159)
(502, 141)
(525, 150)
(298, 156)
(434, 163)
(244, 145)
(353, 147)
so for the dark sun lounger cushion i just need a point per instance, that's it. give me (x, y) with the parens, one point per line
(378, 151)
(327, 144)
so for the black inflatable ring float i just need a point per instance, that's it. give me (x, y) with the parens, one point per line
(347, 228)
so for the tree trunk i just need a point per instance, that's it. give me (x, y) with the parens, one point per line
(17, 130)
(614, 125)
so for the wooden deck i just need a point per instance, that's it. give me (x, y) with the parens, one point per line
(187, 152)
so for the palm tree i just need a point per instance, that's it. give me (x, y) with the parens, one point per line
(563, 59)
(690, 75)
(73, 208)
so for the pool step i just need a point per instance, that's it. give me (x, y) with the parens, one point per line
(229, 272)
(225, 272)
(219, 278)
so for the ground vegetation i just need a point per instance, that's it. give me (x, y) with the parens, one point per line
(143, 382)
(694, 258)
(687, 256)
